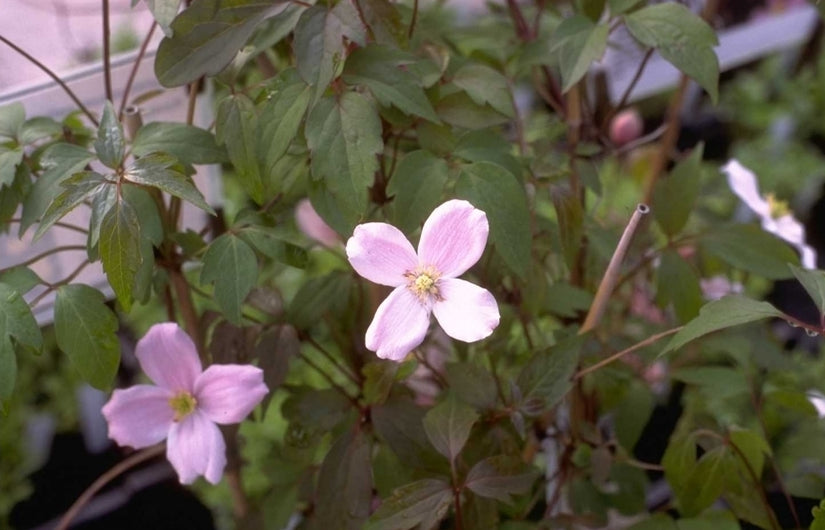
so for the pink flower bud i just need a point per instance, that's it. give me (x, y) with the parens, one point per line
(311, 224)
(626, 126)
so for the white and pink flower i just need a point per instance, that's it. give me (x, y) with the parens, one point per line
(774, 215)
(452, 240)
(184, 405)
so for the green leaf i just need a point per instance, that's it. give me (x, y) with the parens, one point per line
(110, 145)
(8, 372)
(157, 170)
(119, 250)
(570, 217)
(187, 143)
(416, 187)
(379, 376)
(20, 278)
(231, 264)
(678, 461)
(720, 314)
(317, 297)
(423, 503)
(577, 42)
(500, 476)
(345, 137)
(717, 382)
(379, 68)
(60, 161)
(819, 517)
(706, 481)
(485, 86)
(632, 414)
(275, 348)
(11, 196)
(814, 283)
(77, 188)
(16, 319)
(38, 128)
(281, 117)
(164, 12)
(753, 446)
(677, 283)
(458, 109)
(545, 379)
(271, 244)
(9, 160)
(617, 7)
(675, 194)
(318, 42)
(682, 38)
(472, 384)
(398, 422)
(237, 128)
(86, 331)
(495, 190)
(448, 426)
(750, 248)
(384, 22)
(206, 37)
(344, 485)
(103, 201)
(12, 117)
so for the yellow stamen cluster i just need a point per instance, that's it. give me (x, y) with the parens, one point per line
(778, 208)
(423, 282)
(183, 404)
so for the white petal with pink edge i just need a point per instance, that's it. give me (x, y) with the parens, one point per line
(467, 312)
(196, 447)
(381, 253)
(168, 356)
(139, 416)
(453, 238)
(228, 393)
(399, 326)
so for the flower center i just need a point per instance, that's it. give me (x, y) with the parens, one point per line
(423, 282)
(778, 208)
(183, 403)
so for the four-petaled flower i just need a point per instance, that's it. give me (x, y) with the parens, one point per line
(185, 405)
(775, 215)
(452, 240)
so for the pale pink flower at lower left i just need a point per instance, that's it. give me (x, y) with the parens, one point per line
(184, 405)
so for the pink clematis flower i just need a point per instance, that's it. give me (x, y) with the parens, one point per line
(185, 405)
(452, 241)
(775, 216)
(311, 224)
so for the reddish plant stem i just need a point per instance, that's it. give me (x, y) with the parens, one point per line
(130, 81)
(107, 53)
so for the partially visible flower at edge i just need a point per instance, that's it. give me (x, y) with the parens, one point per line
(452, 240)
(311, 224)
(774, 215)
(184, 405)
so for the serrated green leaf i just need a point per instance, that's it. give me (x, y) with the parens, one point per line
(819, 517)
(344, 486)
(495, 190)
(501, 476)
(384, 22)
(76, 189)
(206, 37)
(8, 372)
(423, 503)
(9, 160)
(60, 161)
(750, 248)
(416, 187)
(485, 86)
(706, 481)
(187, 143)
(577, 42)
(237, 128)
(398, 423)
(270, 244)
(678, 284)
(11, 196)
(151, 225)
(119, 250)
(38, 128)
(103, 201)
(458, 109)
(281, 118)
(448, 426)
(345, 137)
(814, 283)
(545, 379)
(379, 69)
(16, 319)
(231, 264)
(675, 194)
(720, 314)
(12, 117)
(86, 331)
(110, 144)
(164, 12)
(157, 170)
(682, 38)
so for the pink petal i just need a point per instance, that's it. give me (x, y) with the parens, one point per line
(311, 224)
(466, 312)
(381, 253)
(227, 393)
(400, 325)
(196, 447)
(453, 238)
(168, 356)
(139, 416)
(743, 183)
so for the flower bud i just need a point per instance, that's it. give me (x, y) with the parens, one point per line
(311, 224)
(625, 127)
